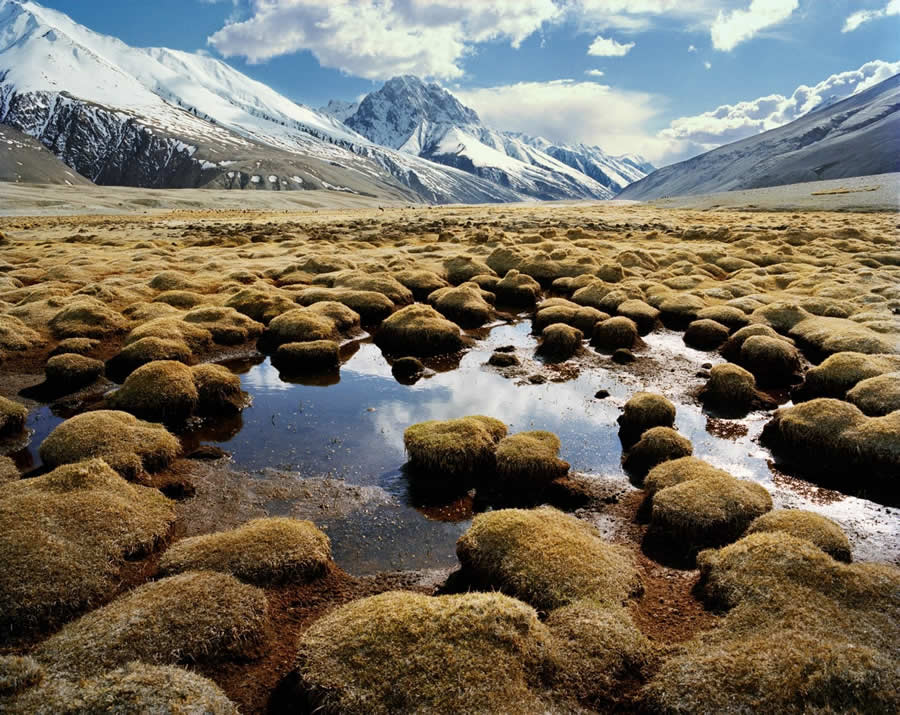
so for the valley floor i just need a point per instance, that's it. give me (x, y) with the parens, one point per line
(770, 339)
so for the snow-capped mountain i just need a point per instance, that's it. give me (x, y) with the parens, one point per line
(857, 136)
(157, 117)
(338, 109)
(428, 121)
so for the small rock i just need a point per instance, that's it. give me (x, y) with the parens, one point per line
(537, 379)
(506, 349)
(601, 394)
(499, 359)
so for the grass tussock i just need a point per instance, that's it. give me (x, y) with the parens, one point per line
(260, 305)
(834, 335)
(804, 633)
(643, 411)
(9, 472)
(18, 673)
(831, 432)
(706, 511)
(644, 315)
(226, 325)
(183, 299)
(125, 443)
(595, 649)
(877, 396)
(63, 535)
(614, 333)
(460, 269)
(195, 337)
(731, 349)
(218, 390)
(517, 289)
(772, 361)
(312, 356)
(71, 372)
(262, 551)
(346, 320)
(384, 284)
(162, 390)
(405, 652)
(12, 417)
(85, 317)
(547, 558)
(456, 447)
(371, 306)
(676, 471)
(465, 305)
(421, 282)
(815, 528)
(198, 616)
(299, 325)
(732, 389)
(840, 372)
(131, 690)
(656, 445)
(16, 336)
(420, 331)
(146, 350)
(560, 341)
(705, 334)
(530, 459)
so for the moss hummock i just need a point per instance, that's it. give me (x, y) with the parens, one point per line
(818, 529)
(420, 331)
(656, 445)
(453, 448)
(529, 460)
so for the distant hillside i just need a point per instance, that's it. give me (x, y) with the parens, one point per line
(857, 136)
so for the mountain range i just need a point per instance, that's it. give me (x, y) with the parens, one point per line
(155, 117)
(857, 136)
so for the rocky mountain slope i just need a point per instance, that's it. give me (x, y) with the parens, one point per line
(426, 120)
(857, 136)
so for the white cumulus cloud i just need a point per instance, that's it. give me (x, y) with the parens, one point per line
(731, 122)
(608, 47)
(377, 39)
(861, 17)
(595, 73)
(732, 28)
(570, 111)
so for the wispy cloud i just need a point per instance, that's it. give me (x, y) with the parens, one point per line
(861, 17)
(732, 28)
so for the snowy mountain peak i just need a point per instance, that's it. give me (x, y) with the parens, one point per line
(392, 115)
(338, 109)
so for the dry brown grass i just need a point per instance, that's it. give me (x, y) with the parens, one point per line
(262, 551)
(453, 448)
(643, 411)
(198, 616)
(818, 529)
(838, 373)
(517, 289)
(312, 356)
(405, 652)
(218, 390)
(656, 445)
(560, 341)
(64, 535)
(371, 306)
(834, 335)
(420, 331)
(547, 558)
(71, 372)
(8, 470)
(529, 460)
(676, 471)
(85, 317)
(12, 417)
(705, 334)
(614, 333)
(772, 361)
(226, 325)
(18, 673)
(877, 396)
(465, 305)
(134, 689)
(124, 442)
(162, 390)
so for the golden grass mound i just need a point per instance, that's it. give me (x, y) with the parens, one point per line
(146, 350)
(656, 445)
(547, 558)
(643, 411)
(162, 390)
(583, 318)
(705, 334)
(420, 331)
(820, 530)
(8, 470)
(614, 333)
(877, 396)
(71, 372)
(560, 341)
(595, 649)
(731, 349)
(15, 336)
(453, 447)
(76, 346)
(312, 356)
(805, 633)
(706, 511)
(125, 443)
(517, 289)
(406, 652)
(731, 388)
(226, 325)
(262, 551)
(12, 417)
(132, 690)
(464, 268)
(184, 299)
(680, 308)
(195, 337)
(260, 305)
(18, 673)
(529, 459)
(838, 373)
(371, 306)
(297, 326)
(834, 335)
(726, 315)
(831, 432)
(676, 471)
(772, 361)
(421, 282)
(63, 536)
(85, 317)
(198, 616)
(218, 390)
(465, 305)
(345, 319)
(644, 315)
(383, 283)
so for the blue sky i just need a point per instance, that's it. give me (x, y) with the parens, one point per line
(678, 76)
